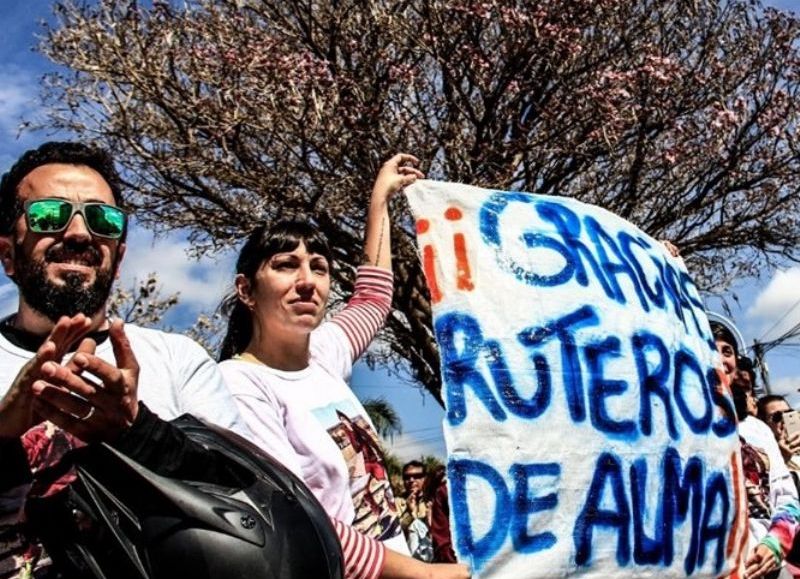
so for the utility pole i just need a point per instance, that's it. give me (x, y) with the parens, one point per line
(761, 364)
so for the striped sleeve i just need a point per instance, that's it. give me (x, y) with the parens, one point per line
(363, 556)
(783, 528)
(367, 308)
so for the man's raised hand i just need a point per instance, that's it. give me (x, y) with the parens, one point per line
(17, 413)
(92, 410)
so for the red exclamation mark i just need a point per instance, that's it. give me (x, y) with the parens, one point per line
(429, 262)
(463, 275)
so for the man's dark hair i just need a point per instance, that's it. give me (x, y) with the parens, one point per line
(414, 464)
(762, 404)
(66, 153)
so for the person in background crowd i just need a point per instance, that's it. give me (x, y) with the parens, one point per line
(435, 491)
(751, 429)
(746, 372)
(771, 409)
(414, 510)
(773, 508)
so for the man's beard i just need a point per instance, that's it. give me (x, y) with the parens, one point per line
(70, 297)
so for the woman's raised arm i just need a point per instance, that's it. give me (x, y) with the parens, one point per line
(395, 174)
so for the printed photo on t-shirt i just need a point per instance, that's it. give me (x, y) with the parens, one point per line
(352, 431)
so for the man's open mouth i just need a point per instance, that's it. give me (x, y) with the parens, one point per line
(87, 258)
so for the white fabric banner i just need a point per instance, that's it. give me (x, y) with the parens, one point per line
(585, 428)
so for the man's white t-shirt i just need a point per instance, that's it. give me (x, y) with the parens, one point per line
(176, 376)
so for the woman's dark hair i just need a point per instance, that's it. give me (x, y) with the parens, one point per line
(745, 364)
(740, 393)
(261, 245)
(724, 334)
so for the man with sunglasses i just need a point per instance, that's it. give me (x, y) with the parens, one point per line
(771, 409)
(62, 239)
(415, 508)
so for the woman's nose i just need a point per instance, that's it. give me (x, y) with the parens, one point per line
(305, 277)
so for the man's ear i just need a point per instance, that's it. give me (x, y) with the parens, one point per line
(243, 290)
(120, 254)
(7, 254)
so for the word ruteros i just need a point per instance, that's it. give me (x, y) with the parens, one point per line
(688, 399)
(687, 391)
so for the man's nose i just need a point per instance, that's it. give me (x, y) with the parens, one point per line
(77, 229)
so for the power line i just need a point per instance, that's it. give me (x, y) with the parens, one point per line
(792, 332)
(417, 430)
(420, 444)
(782, 318)
(417, 440)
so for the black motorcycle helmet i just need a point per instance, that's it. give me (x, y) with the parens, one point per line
(120, 520)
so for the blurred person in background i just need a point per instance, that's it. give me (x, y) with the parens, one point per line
(773, 508)
(436, 492)
(415, 509)
(771, 409)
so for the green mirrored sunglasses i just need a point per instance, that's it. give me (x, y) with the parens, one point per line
(54, 215)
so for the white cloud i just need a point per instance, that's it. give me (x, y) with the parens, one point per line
(787, 386)
(19, 90)
(201, 284)
(428, 441)
(777, 307)
(19, 102)
(8, 298)
(786, 5)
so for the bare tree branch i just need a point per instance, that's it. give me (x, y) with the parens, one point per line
(680, 115)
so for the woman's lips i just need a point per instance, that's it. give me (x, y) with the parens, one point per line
(304, 307)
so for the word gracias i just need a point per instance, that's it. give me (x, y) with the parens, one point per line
(606, 259)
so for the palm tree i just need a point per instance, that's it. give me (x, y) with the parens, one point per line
(431, 463)
(384, 417)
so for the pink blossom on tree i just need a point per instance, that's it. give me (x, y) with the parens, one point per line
(680, 116)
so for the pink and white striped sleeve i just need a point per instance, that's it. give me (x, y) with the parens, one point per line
(363, 556)
(367, 308)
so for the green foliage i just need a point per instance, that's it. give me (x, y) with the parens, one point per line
(384, 417)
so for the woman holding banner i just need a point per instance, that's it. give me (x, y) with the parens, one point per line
(288, 371)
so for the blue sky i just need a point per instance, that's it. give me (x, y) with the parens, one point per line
(761, 307)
